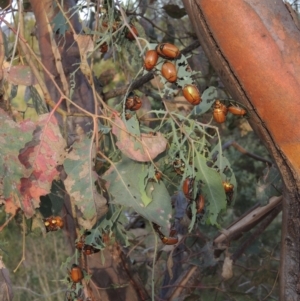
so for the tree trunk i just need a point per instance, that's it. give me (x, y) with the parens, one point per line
(254, 47)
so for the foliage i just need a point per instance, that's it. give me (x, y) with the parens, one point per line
(117, 162)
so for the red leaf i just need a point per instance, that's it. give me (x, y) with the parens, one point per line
(41, 155)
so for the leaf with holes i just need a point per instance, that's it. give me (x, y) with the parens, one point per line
(123, 183)
(13, 137)
(81, 179)
(40, 157)
(211, 188)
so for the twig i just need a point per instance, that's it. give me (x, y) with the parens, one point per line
(248, 222)
(263, 225)
(23, 246)
(245, 152)
(180, 287)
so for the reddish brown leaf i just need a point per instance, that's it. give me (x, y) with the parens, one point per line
(41, 156)
(143, 148)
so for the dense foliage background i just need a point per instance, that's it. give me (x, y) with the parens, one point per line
(43, 273)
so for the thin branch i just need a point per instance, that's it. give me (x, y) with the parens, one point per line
(245, 152)
(263, 225)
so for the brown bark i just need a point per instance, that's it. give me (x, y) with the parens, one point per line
(254, 46)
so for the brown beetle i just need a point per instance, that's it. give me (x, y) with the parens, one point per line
(84, 248)
(188, 187)
(228, 187)
(166, 240)
(129, 34)
(169, 72)
(179, 166)
(200, 203)
(103, 47)
(168, 51)
(158, 175)
(76, 274)
(237, 111)
(53, 223)
(220, 112)
(150, 59)
(133, 102)
(191, 94)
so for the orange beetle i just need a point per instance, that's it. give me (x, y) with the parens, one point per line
(103, 47)
(191, 94)
(200, 203)
(188, 187)
(129, 34)
(133, 102)
(76, 274)
(150, 59)
(86, 249)
(220, 112)
(158, 175)
(53, 223)
(169, 240)
(169, 72)
(228, 187)
(166, 240)
(114, 27)
(237, 111)
(168, 51)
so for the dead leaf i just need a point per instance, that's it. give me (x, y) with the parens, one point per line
(144, 148)
(227, 272)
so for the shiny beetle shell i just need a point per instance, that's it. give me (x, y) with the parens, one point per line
(53, 223)
(228, 187)
(200, 203)
(188, 187)
(220, 112)
(237, 111)
(191, 94)
(133, 102)
(158, 175)
(103, 47)
(150, 60)
(129, 34)
(59, 222)
(169, 240)
(76, 274)
(168, 51)
(169, 72)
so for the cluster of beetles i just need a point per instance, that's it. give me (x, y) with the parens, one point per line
(191, 93)
(169, 52)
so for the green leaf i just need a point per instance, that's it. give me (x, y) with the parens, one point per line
(124, 185)
(211, 188)
(13, 137)
(81, 179)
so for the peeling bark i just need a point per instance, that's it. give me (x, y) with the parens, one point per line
(254, 46)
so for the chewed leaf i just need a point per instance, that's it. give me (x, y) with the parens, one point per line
(144, 148)
(41, 156)
(123, 184)
(81, 179)
(211, 188)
